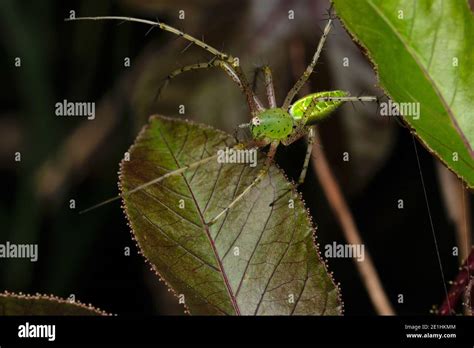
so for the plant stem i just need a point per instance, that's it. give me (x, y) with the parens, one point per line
(339, 206)
(457, 202)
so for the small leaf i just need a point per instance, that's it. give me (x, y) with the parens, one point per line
(423, 52)
(258, 259)
(17, 304)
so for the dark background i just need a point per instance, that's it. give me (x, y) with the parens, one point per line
(73, 158)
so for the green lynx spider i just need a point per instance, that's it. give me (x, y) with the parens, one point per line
(268, 126)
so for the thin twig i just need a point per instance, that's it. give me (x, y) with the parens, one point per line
(456, 200)
(339, 206)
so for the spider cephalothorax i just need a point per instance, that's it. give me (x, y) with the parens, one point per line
(272, 124)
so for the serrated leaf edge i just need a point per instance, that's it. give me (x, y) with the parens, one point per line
(161, 278)
(56, 299)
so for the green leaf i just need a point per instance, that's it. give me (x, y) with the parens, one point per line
(17, 304)
(256, 260)
(423, 52)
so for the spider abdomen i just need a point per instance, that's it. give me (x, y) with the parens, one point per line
(314, 106)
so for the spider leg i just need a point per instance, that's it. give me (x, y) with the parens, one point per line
(309, 149)
(309, 70)
(237, 75)
(297, 134)
(299, 128)
(222, 56)
(314, 104)
(151, 182)
(362, 99)
(255, 76)
(228, 62)
(254, 104)
(269, 87)
(197, 66)
(257, 180)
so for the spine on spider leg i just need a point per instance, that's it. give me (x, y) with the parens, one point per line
(238, 76)
(182, 70)
(165, 27)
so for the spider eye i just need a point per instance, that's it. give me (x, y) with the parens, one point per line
(255, 121)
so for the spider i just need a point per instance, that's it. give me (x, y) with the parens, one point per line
(269, 126)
